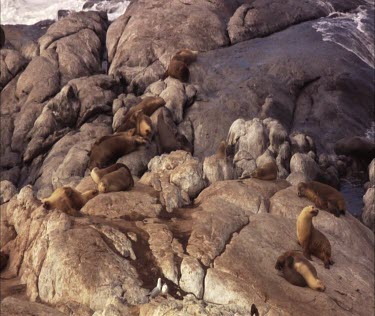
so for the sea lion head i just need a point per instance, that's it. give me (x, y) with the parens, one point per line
(102, 187)
(46, 204)
(311, 210)
(301, 189)
(320, 286)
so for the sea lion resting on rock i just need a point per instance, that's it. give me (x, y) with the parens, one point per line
(168, 139)
(312, 240)
(111, 147)
(178, 66)
(298, 271)
(148, 106)
(143, 125)
(324, 197)
(68, 200)
(266, 172)
(114, 178)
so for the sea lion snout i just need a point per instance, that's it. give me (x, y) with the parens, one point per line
(314, 212)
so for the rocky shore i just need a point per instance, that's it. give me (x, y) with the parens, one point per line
(264, 81)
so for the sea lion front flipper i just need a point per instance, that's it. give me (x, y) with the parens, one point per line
(306, 250)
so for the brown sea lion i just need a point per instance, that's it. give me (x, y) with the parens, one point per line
(298, 271)
(143, 125)
(221, 151)
(148, 106)
(186, 55)
(324, 197)
(111, 147)
(68, 200)
(97, 174)
(266, 172)
(4, 258)
(312, 240)
(118, 180)
(168, 139)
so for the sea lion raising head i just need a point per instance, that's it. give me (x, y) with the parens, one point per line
(266, 172)
(312, 240)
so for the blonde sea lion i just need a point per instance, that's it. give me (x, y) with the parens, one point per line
(312, 240)
(298, 271)
(324, 197)
(68, 200)
(148, 106)
(111, 147)
(266, 172)
(119, 180)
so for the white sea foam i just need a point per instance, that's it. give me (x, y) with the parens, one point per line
(32, 11)
(354, 31)
(370, 133)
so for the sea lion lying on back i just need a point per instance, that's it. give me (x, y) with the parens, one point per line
(266, 172)
(312, 240)
(116, 177)
(111, 147)
(148, 106)
(178, 66)
(298, 271)
(324, 197)
(68, 200)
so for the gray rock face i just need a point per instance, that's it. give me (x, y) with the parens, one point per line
(11, 62)
(8, 190)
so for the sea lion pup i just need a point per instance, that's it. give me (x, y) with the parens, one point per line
(266, 172)
(97, 174)
(4, 258)
(312, 240)
(298, 271)
(111, 147)
(324, 197)
(168, 139)
(148, 106)
(119, 180)
(68, 200)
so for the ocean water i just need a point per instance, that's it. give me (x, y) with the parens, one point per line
(32, 11)
(353, 31)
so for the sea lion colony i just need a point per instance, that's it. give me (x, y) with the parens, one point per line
(138, 130)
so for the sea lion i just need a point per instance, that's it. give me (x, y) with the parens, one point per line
(97, 174)
(185, 55)
(312, 240)
(4, 258)
(148, 106)
(111, 147)
(324, 197)
(298, 271)
(68, 200)
(119, 180)
(143, 125)
(266, 172)
(221, 151)
(168, 139)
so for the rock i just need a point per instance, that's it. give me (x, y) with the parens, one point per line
(140, 202)
(11, 64)
(175, 98)
(16, 307)
(368, 215)
(138, 160)
(218, 169)
(8, 190)
(301, 143)
(192, 277)
(371, 172)
(305, 164)
(296, 177)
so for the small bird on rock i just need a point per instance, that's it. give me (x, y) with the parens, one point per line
(164, 289)
(156, 291)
